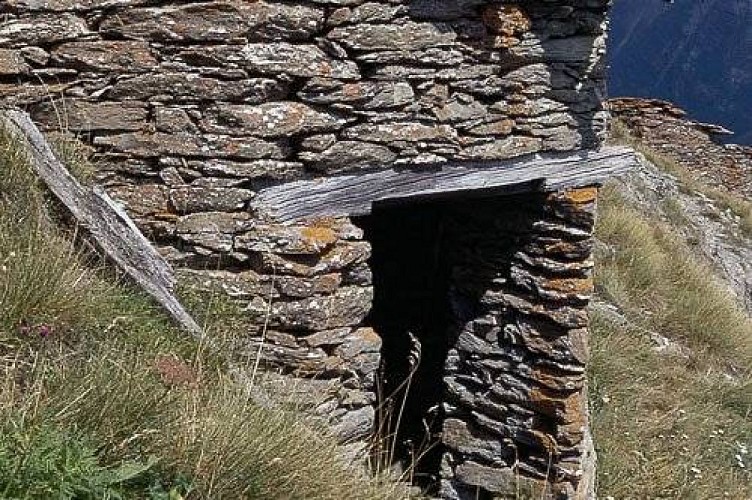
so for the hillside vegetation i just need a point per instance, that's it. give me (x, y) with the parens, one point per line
(671, 388)
(102, 398)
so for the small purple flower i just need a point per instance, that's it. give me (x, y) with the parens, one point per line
(45, 331)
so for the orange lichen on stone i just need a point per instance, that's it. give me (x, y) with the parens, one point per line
(318, 237)
(570, 285)
(368, 334)
(558, 247)
(556, 381)
(578, 196)
(508, 22)
(499, 127)
(572, 434)
(545, 441)
(325, 221)
(565, 409)
(353, 90)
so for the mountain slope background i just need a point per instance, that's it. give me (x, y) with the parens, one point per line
(695, 53)
(670, 379)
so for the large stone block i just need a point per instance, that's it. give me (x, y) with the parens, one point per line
(83, 116)
(216, 22)
(214, 222)
(258, 170)
(242, 285)
(105, 56)
(341, 256)
(348, 306)
(349, 156)
(500, 149)
(273, 58)
(277, 119)
(500, 481)
(297, 287)
(461, 436)
(404, 36)
(364, 94)
(192, 87)
(189, 199)
(397, 132)
(142, 199)
(295, 240)
(152, 145)
(42, 29)
(72, 5)
(12, 63)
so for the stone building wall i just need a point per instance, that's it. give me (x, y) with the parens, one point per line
(189, 109)
(490, 292)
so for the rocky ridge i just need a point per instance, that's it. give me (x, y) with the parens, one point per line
(716, 231)
(695, 54)
(667, 129)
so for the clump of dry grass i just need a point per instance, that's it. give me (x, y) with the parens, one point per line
(73, 154)
(665, 426)
(668, 422)
(41, 278)
(209, 429)
(652, 270)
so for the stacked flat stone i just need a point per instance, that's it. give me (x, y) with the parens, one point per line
(190, 108)
(668, 129)
(516, 416)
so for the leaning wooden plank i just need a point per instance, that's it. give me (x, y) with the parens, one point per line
(355, 194)
(107, 223)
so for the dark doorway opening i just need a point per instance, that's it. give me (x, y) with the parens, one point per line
(432, 262)
(411, 312)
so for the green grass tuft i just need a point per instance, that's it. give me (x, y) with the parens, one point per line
(41, 280)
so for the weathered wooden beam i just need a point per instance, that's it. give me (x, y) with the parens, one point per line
(107, 223)
(354, 195)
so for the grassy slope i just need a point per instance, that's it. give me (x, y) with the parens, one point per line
(677, 422)
(91, 394)
(102, 398)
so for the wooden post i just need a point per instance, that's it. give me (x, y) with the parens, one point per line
(108, 224)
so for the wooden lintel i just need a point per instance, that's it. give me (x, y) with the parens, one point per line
(107, 223)
(354, 195)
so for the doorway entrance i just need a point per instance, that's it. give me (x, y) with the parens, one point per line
(433, 262)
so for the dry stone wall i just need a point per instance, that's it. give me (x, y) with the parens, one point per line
(516, 401)
(696, 146)
(490, 292)
(188, 109)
